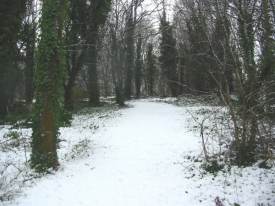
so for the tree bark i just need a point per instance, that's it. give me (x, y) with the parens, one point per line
(93, 87)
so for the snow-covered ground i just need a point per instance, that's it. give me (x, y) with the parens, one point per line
(141, 157)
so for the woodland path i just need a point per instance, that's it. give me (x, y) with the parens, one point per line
(140, 156)
(133, 163)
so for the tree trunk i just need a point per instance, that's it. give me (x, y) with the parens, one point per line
(68, 95)
(93, 87)
(129, 55)
(76, 65)
(29, 70)
(138, 70)
(49, 86)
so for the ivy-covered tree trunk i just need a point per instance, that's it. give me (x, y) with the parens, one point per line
(11, 12)
(248, 110)
(49, 86)
(268, 52)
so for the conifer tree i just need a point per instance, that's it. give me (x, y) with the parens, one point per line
(11, 14)
(168, 56)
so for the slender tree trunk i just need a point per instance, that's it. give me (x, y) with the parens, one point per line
(130, 27)
(29, 70)
(138, 70)
(116, 56)
(93, 87)
(150, 70)
(76, 65)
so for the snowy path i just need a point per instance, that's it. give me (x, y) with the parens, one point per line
(134, 163)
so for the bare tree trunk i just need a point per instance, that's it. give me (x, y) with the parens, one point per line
(77, 61)
(130, 31)
(29, 70)
(93, 87)
(138, 66)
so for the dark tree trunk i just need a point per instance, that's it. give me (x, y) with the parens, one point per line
(120, 96)
(68, 97)
(11, 12)
(117, 55)
(97, 14)
(150, 70)
(138, 70)
(73, 71)
(76, 33)
(168, 56)
(3, 105)
(29, 70)
(93, 87)
(129, 55)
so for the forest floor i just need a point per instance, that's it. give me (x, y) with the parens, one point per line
(140, 156)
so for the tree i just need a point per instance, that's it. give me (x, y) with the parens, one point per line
(11, 15)
(268, 50)
(222, 54)
(117, 50)
(199, 50)
(117, 57)
(130, 47)
(97, 14)
(29, 38)
(247, 85)
(150, 70)
(168, 56)
(182, 68)
(138, 67)
(221, 62)
(126, 24)
(76, 37)
(49, 81)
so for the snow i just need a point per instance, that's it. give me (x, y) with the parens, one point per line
(138, 157)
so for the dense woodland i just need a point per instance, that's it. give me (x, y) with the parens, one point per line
(58, 54)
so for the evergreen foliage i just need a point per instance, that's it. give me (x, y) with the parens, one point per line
(11, 14)
(168, 56)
